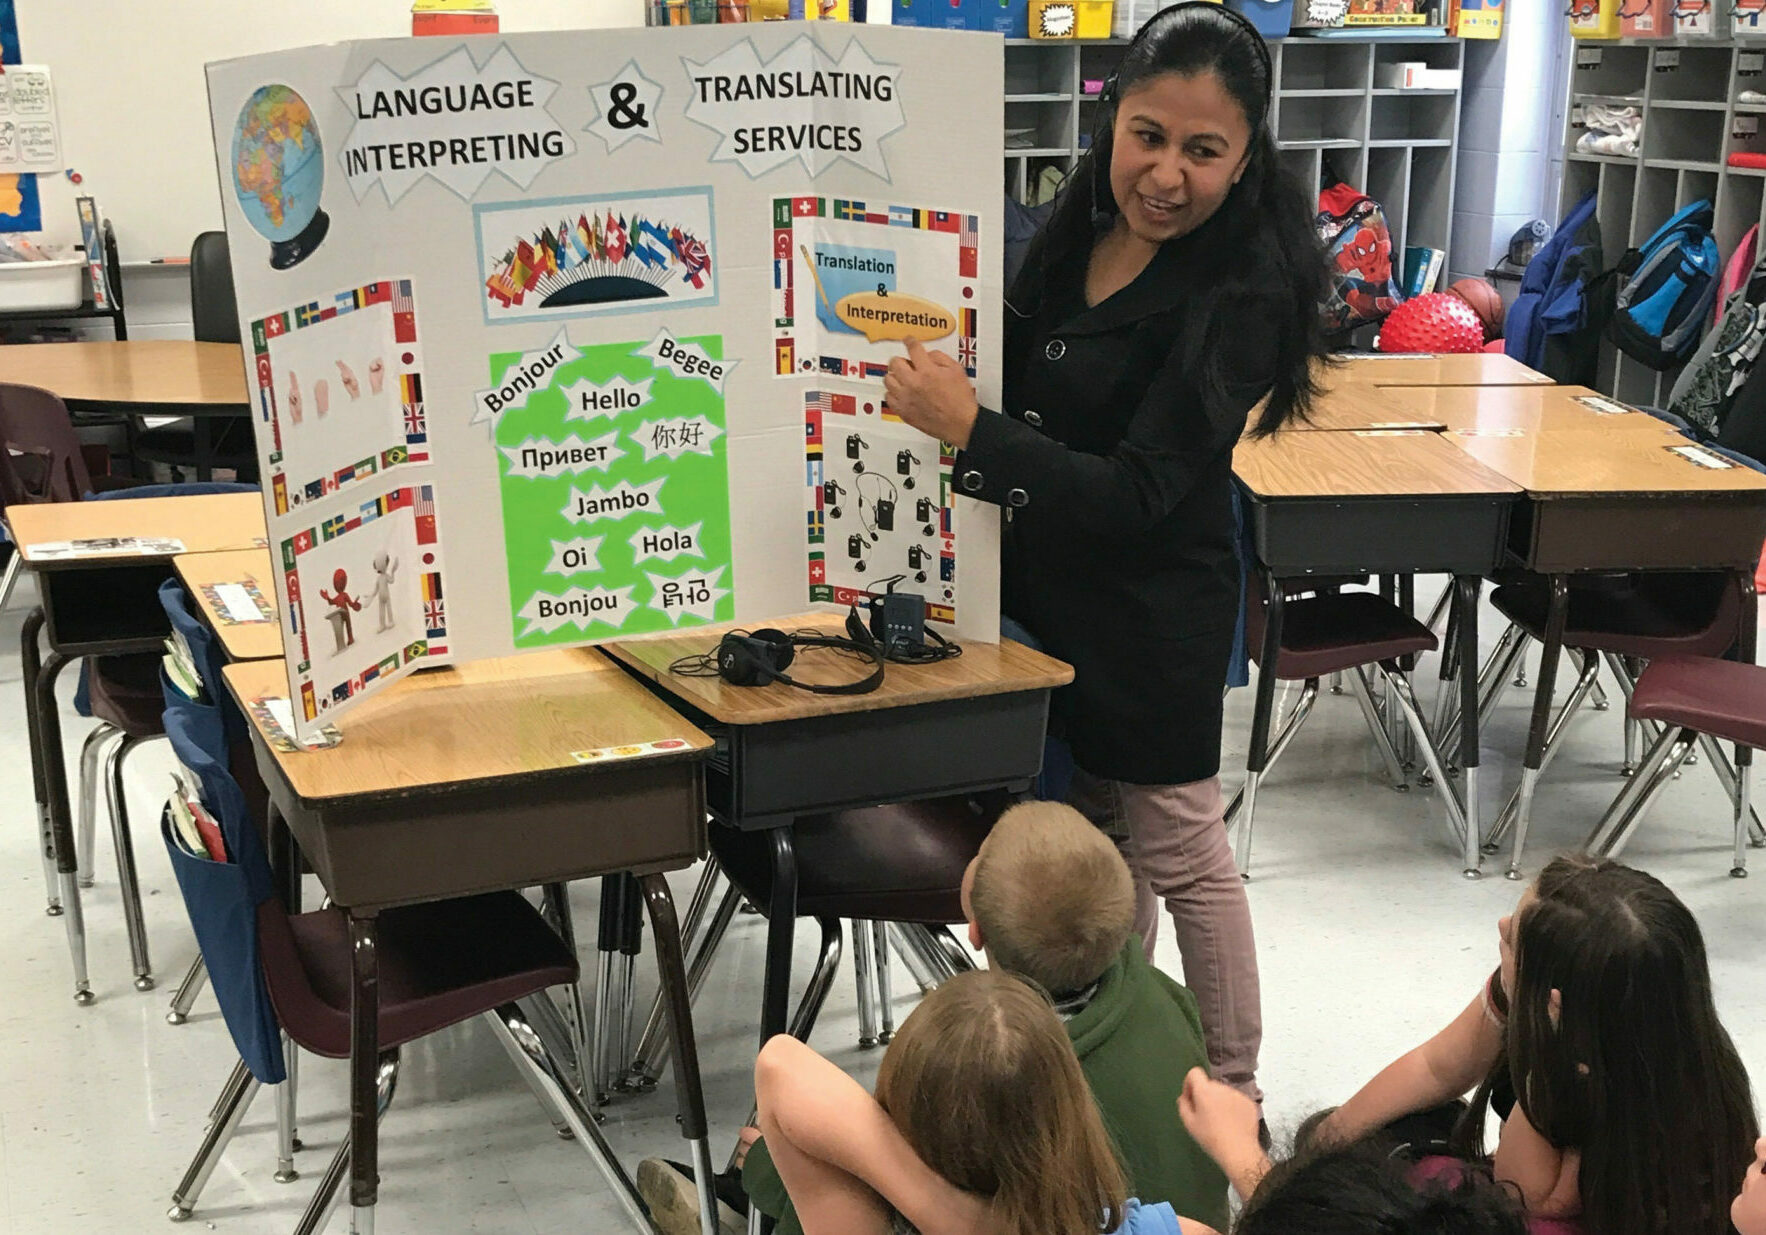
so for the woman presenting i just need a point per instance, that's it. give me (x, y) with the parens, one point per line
(1174, 289)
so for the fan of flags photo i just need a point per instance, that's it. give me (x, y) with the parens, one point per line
(600, 260)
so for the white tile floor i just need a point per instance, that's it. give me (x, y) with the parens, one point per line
(1369, 936)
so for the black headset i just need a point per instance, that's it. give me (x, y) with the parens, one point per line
(1105, 115)
(760, 657)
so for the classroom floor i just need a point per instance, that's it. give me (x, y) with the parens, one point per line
(1369, 940)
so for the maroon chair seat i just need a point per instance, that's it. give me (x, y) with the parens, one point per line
(1641, 616)
(440, 964)
(1720, 697)
(900, 863)
(1337, 632)
(125, 692)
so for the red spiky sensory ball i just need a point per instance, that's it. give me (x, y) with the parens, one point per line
(1436, 322)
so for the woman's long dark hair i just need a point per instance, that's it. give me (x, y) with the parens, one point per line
(1262, 248)
(1359, 1189)
(1636, 1072)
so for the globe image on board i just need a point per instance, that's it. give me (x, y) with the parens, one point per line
(279, 171)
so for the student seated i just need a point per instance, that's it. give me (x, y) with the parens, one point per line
(1049, 897)
(1625, 1108)
(983, 1124)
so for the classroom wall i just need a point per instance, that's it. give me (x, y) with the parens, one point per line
(1510, 129)
(134, 107)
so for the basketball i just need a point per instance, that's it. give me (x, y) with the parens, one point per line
(1435, 322)
(1486, 302)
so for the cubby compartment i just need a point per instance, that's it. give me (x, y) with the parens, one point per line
(1323, 65)
(1038, 128)
(1325, 121)
(1036, 73)
(1096, 63)
(1306, 166)
(1738, 208)
(1696, 186)
(1750, 74)
(1658, 193)
(1443, 54)
(1414, 119)
(1610, 72)
(1431, 197)
(1617, 183)
(1388, 182)
(1689, 74)
(1684, 140)
(1637, 384)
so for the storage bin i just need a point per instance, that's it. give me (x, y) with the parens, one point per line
(1070, 19)
(42, 285)
(1646, 19)
(1273, 18)
(1701, 19)
(1594, 19)
(1747, 19)
(1008, 17)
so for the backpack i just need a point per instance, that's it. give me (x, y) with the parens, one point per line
(1726, 358)
(1666, 289)
(1556, 321)
(1358, 245)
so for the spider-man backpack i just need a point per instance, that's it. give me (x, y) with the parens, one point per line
(1358, 245)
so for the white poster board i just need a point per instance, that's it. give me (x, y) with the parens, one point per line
(30, 133)
(562, 338)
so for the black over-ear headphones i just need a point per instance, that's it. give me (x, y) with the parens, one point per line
(760, 657)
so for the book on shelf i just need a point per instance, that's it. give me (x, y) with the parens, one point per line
(1422, 269)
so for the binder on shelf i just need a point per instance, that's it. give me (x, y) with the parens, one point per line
(92, 236)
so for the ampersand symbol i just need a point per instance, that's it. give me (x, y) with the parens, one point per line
(622, 115)
(882, 289)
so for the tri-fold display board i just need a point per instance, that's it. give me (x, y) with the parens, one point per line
(558, 338)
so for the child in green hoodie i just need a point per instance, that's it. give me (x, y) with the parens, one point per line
(1050, 898)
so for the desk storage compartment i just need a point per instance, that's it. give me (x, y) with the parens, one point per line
(1378, 535)
(1639, 532)
(461, 839)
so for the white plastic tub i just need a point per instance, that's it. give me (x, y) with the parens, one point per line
(28, 286)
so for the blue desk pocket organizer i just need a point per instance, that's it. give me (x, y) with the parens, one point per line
(222, 898)
(205, 651)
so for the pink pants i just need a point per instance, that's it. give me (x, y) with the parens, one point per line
(1174, 838)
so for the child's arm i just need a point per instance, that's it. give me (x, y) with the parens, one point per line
(843, 1160)
(1441, 1069)
(1547, 1176)
(1223, 1122)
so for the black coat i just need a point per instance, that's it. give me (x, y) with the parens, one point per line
(1115, 471)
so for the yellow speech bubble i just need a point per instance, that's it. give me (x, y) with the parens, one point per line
(895, 316)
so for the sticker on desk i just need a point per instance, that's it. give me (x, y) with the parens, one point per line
(1605, 407)
(1398, 424)
(607, 754)
(1701, 456)
(234, 604)
(103, 546)
(1390, 432)
(1482, 432)
(275, 717)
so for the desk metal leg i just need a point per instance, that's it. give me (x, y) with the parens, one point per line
(1257, 759)
(31, 663)
(205, 447)
(1556, 615)
(1465, 629)
(61, 824)
(781, 925)
(558, 898)
(364, 1066)
(689, 1094)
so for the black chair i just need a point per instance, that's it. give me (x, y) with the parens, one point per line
(215, 319)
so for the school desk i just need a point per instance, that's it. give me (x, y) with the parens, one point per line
(1475, 369)
(255, 634)
(510, 773)
(138, 378)
(1395, 502)
(1509, 411)
(100, 604)
(1616, 502)
(960, 726)
(1354, 405)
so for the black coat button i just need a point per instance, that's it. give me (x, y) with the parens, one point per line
(972, 481)
(1033, 420)
(1055, 350)
(1017, 497)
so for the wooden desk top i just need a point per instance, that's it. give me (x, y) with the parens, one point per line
(242, 640)
(1569, 463)
(1358, 406)
(151, 371)
(511, 719)
(1378, 463)
(1001, 668)
(1477, 369)
(205, 524)
(1504, 410)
